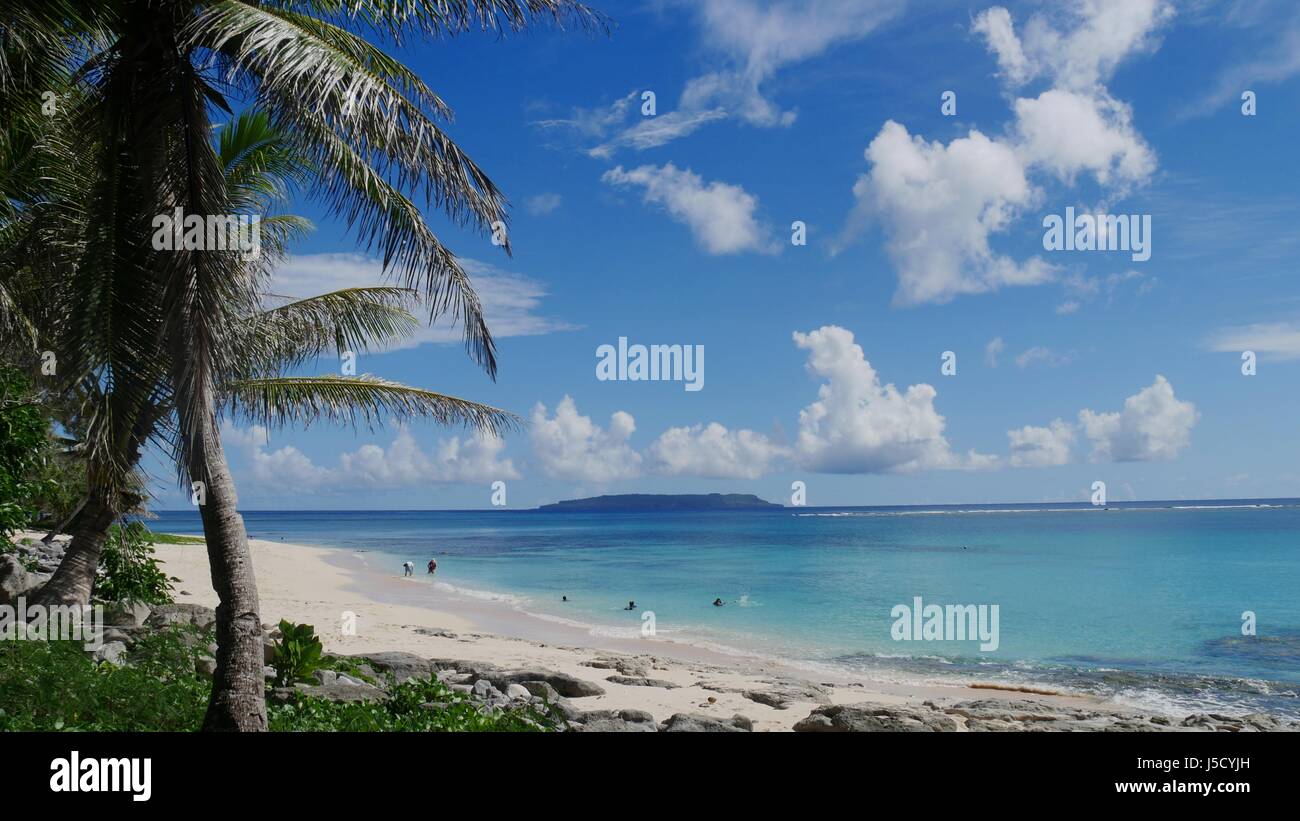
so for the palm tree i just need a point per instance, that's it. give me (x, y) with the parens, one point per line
(258, 165)
(152, 72)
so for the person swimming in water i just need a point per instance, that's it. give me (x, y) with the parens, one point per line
(718, 602)
(433, 566)
(630, 606)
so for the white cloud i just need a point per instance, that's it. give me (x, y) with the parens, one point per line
(858, 425)
(752, 41)
(993, 350)
(1279, 341)
(712, 451)
(542, 204)
(403, 463)
(571, 446)
(1153, 425)
(939, 204)
(1067, 307)
(1041, 447)
(1041, 355)
(720, 216)
(510, 301)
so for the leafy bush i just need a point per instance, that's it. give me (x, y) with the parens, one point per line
(297, 653)
(23, 438)
(415, 706)
(128, 570)
(55, 685)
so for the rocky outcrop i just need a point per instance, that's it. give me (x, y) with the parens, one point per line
(196, 615)
(641, 681)
(696, 723)
(875, 718)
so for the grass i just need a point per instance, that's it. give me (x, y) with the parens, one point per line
(54, 685)
(172, 538)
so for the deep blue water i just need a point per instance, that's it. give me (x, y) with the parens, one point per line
(1142, 600)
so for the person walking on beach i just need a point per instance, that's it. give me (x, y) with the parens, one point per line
(433, 566)
(408, 568)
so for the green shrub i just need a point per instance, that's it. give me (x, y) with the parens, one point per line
(297, 653)
(128, 570)
(55, 685)
(416, 706)
(23, 436)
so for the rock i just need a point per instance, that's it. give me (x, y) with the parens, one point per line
(785, 694)
(874, 718)
(268, 650)
(113, 652)
(624, 665)
(641, 681)
(332, 692)
(696, 723)
(343, 678)
(615, 721)
(434, 631)
(269, 673)
(165, 615)
(206, 667)
(326, 677)
(564, 684)
(15, 581)
(518, 691)
(114, 634)
(126, 614)
(401, 665)
(484, 689)
(541, 690)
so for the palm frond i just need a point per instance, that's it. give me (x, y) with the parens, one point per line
(354, 400)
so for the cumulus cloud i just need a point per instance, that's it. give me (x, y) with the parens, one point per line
(1041, 447)
(939, 204)
(569, 445)
(403, 463)
(713, 451)
(858, 425)
(1153, 425)
(720, 216)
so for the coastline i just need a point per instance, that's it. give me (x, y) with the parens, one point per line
(321, 585)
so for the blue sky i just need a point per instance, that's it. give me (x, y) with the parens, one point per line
(924, 235)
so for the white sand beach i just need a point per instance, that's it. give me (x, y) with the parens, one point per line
(319, 586)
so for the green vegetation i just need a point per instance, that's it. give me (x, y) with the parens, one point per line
(297, 653)
(54, 685)
(172, 538)
(128, 570)
(23, 436)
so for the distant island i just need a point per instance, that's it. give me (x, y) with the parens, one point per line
(639, 502)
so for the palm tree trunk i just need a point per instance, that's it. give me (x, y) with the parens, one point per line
(238, 701)
(74, 580)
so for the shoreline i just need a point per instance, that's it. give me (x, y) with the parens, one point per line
(321, 586)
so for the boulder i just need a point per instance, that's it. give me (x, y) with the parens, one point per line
(696, 723)
(206, 667)
(518, 691)
(401, 665)
(541, 690)
(126, 614)
(564, 684)
(625, 665)
(15, 581)
(784, 694)
(165, 615)
(614, 721)
(874, 718)
(113, 652)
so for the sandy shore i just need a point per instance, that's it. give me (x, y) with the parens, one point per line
(322, 586)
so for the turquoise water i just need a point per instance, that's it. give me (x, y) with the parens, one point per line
(1141, 601)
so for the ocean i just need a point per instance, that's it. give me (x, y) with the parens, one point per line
(1142, 602)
